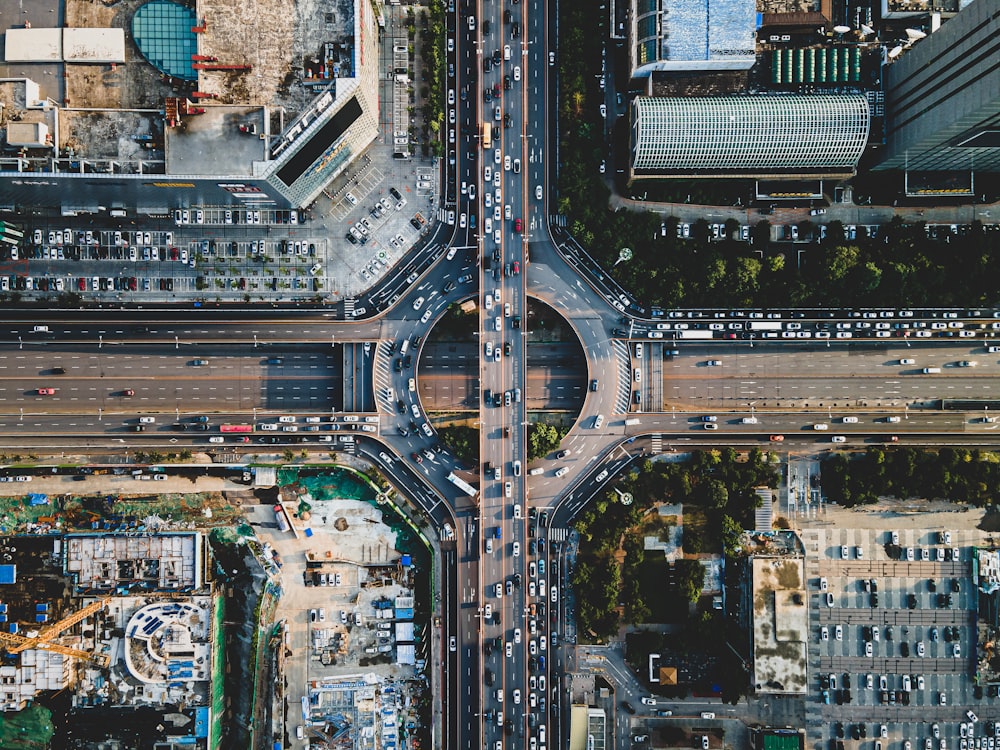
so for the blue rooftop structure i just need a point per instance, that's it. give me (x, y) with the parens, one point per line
(686, 35)
(162, 31)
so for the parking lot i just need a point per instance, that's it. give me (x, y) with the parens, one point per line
(892, 638)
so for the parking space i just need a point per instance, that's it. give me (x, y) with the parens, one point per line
(892, 636)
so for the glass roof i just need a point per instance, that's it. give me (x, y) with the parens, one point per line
(162, 31)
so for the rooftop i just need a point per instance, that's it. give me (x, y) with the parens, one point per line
(780, 624)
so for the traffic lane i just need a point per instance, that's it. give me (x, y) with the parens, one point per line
(276, 332)
(458, 389)
(148, 379)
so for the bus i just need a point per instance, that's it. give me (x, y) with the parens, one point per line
(467, 488)
(236, 428)
(487, 134)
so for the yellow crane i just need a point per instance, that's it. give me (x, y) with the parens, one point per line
(15, 643)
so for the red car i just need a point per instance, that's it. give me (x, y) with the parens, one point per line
(416, 457)
(777, 438)
(128, 392)
(517, 226)
(517, 265)
(46, 391)
(81, 284)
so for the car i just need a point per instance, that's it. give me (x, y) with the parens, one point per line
(561, 471)
(824, 633)
(839, 633)
(647, 700)
(714, 363)
(838, 439)
(46, 391)
(516, 551)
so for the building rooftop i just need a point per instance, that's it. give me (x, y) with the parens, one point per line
(765, 135)
(780, 624)
(212, 142)
(697, 34)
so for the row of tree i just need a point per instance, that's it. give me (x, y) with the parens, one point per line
(958, 474)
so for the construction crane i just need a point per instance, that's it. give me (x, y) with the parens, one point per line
(14, 643)
(50, 632)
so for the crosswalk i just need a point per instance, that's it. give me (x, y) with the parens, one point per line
(623, 392)
(383, 377)
(656, 442)
(349, 304)
(558, 534)
(557, 220)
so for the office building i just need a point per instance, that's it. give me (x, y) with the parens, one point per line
(943, 97)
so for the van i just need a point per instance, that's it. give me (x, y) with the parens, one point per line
(932, 370)
(708, 714)
(517, 395)
(300, 732)
(536, 471)
(404, 346)
(630, 422)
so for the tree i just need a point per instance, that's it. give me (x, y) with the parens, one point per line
(731, 533)
(542, 439)
(689, 575)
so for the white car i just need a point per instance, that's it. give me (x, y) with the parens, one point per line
(839, 633)
(506, 164)
(517, 633)
(497, 157)
(517, 72)
(538, 192)
(418, 303)
(516, 549)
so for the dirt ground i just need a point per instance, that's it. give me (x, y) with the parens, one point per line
(897, 514)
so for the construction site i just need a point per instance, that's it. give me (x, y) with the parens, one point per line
(119, 622)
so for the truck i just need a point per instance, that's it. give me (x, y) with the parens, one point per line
(696, 334)
(765, 325)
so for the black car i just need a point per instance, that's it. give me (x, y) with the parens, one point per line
(415, 224)
(137, 427)
(400, 406)
(506, 83)
(395, 193)
(515, 30)
(487, 64)
(517, 321)
(498, 399)
(628, 707)
(506, 348)
(58, 370)
(408, 362)
(593, 385)
(179, 426)
(506, 16)
(488, 94)
(497, 57)
(402, 431)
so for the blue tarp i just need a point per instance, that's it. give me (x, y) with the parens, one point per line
(37, 498)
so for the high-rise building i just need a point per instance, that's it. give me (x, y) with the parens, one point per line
(943, 97)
